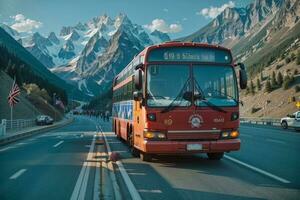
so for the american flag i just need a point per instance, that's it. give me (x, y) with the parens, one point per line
(13, 94)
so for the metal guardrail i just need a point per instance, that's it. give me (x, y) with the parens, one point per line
(262, 121)
(8, 125)
(3, 127)
(19, 124)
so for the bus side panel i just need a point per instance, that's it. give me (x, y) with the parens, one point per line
(138, 124)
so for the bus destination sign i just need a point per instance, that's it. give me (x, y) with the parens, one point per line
(190, 54)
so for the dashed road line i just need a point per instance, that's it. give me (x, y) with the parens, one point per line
(6, 148)
(57, 144)
(17, 174)
(130, 186)
(150, 191)
(81, 183)
(270, 175)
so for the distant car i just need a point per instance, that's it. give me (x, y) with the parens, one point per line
(291, 121)
(44, 120)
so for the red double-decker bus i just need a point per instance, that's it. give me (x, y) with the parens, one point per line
(179, 98)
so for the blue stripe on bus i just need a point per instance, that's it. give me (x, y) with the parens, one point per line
(123, 109)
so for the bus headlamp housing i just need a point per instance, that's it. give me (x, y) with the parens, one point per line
(230, 134)
(234, 116)
(151, 117)
(154, 135)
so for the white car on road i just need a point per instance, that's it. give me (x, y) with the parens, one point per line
(292, 121)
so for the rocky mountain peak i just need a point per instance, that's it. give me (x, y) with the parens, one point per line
(66, 30)
(52, 37)
(39, 40)
(79, 26)
(162, 36)
(74, 36)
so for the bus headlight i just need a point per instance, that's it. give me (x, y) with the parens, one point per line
(230, 134)
(234, 134)
(154, 135)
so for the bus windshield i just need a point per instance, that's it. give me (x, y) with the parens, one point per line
(166, 83)
(217, 83)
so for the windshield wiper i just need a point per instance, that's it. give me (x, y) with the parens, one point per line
(204, 100)
(180, 95)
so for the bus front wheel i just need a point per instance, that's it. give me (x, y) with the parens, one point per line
(215, 156)
(145, 157)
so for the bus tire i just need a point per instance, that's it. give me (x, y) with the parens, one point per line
(146, 157)
(134, 152)
(284, 125)
(215, 156)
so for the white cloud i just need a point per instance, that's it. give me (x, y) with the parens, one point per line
(23, 24)
(161, 25)
(166, 10)
(213, 12)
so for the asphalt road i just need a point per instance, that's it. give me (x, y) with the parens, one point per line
(48, 166)
(59, 165)
(266, 167)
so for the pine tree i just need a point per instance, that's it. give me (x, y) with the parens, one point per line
(273, 80)
(268, 87)
(279, 79)
(298, 57)
(261, 76)
(286, 82)
(252, 89)
(258, 84)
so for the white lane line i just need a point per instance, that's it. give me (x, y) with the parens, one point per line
(275, 141)
(59, 143)
(257, 170)
(81, 183)
(137, 174)
(150, 191)
(130, 186)
(4, 149)
(18, 174)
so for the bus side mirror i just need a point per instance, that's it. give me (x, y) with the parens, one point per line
(138, 79)
(243, 76)
(137, 95)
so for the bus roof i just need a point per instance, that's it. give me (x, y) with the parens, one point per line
(140, 58)
(180, 44)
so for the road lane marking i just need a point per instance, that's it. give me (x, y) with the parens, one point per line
(257, 170)
(137, 174)
(4, 149)
(275, 141)
(150, 191)
(81, 183)
(59, 143)
(130, 186)
(17, 174)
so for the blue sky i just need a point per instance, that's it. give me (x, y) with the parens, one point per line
(178, 18)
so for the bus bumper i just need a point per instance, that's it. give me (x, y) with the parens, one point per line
(190, 147)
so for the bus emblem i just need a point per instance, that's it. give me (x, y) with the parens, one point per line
(168, 122)
(195, 120)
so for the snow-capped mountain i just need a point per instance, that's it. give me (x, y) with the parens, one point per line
(90, 54)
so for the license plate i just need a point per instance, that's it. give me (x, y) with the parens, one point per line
(194, 147)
